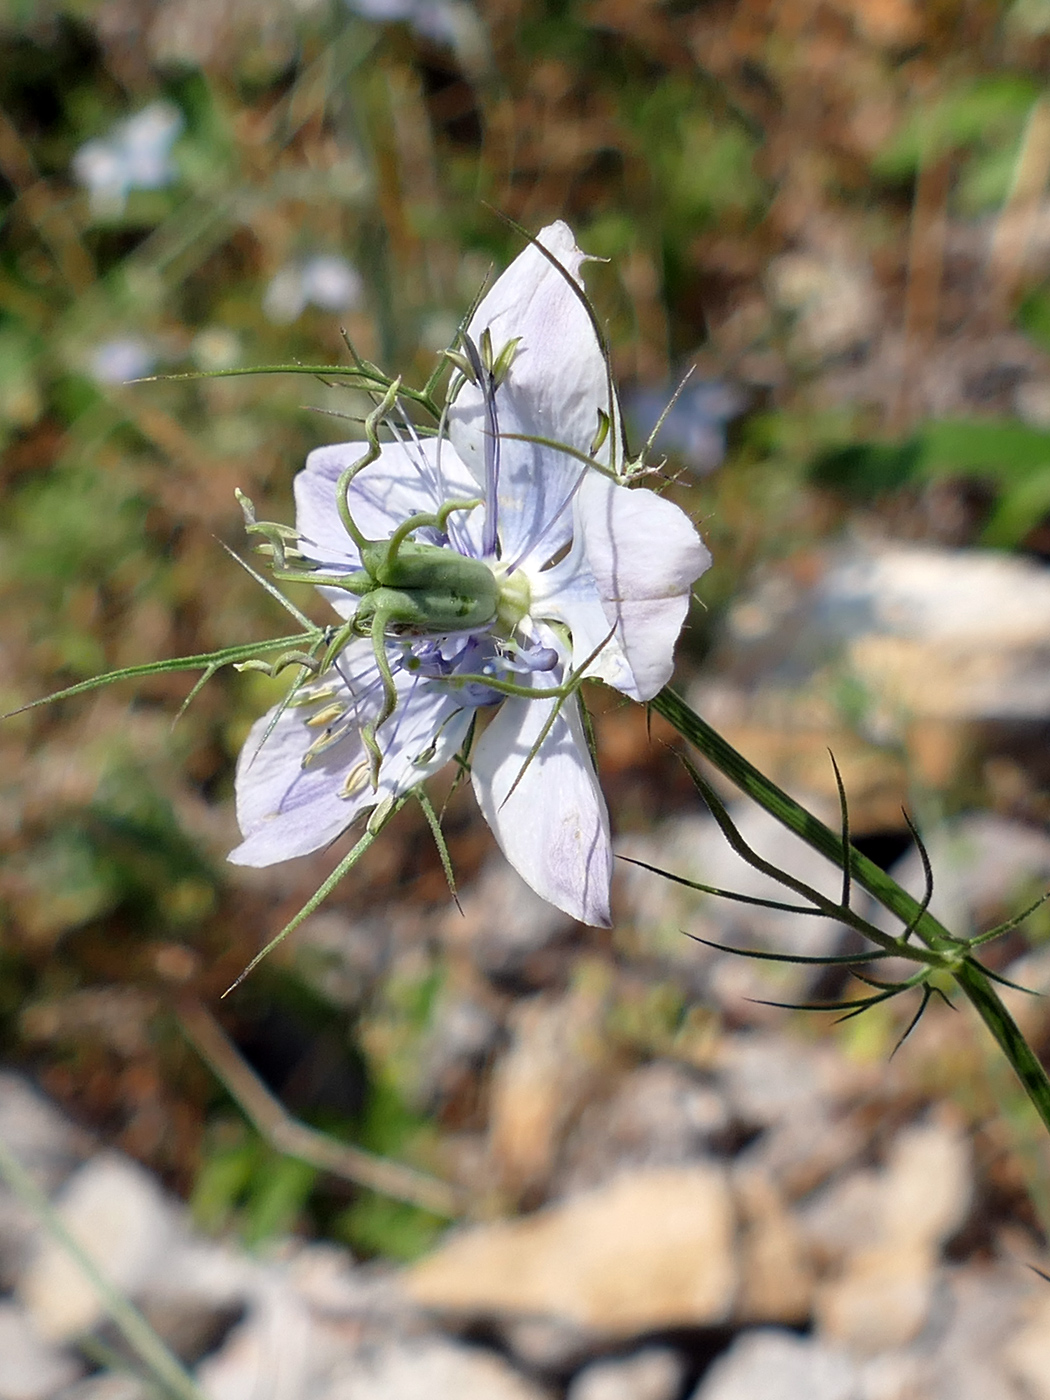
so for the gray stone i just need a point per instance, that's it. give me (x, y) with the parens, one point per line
(108, 1385)
(119, 1215)
(659, 1115)
(768, 1078)
(30, 1368)
(772, 1365)
(966, 1352)
(548, 1343)
(49, 1147)
(503, 923)
(652, 1374)
(650, 1250)
(43, 1140)
(431, 1369)
(879, 1234)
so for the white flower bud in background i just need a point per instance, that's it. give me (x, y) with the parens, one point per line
(123, 358)
(135, 155)
(325, 280)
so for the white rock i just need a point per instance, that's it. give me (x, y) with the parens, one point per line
(29, 1368)
(431, 1369)
(652, 1374)
(964, 1356)
(273, 1352)
(107, 1385)
(886, 1228)
(119, 1215)
(651, 1249)
(1027, 1354)
(659, 1115)
(552, 1063)
(950, 634)
(48, 1146)
(773, 1365)
(941, 595)
(307, 1310)
(44, 1141)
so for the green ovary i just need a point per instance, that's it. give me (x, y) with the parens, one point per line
(515, 599)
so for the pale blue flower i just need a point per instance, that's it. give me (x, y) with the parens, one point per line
(123, 358)
(135, 155)
(586, 571)
(440, 20)
(325, 280)
(695, 425)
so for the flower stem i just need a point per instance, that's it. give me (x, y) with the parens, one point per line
(968, 973)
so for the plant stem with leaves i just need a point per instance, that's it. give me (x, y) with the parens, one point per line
(951, 955)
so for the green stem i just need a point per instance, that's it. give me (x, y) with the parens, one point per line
(168, 1372)
(969, 975)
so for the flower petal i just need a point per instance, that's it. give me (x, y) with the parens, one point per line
(553, 827)
(286, 810)
(555, 386)
(405, 480)
(634, 560)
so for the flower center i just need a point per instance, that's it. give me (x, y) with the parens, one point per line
(514, 599)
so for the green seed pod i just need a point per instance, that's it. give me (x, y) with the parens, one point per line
(424, 589)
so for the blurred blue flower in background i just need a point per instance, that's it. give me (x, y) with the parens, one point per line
(136, 155)
(326, 280)
(695, 426)
(444, 21)
(123, 358)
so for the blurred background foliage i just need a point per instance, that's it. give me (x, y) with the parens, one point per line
(833, 211)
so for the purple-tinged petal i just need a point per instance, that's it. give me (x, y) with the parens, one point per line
(555, 386)
(553, 827)
(286, 810)
(633, 563)
(405, 480)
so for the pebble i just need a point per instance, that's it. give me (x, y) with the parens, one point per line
(552, 1064)
(30, 1369)
(651, 1249)
(503, 923)
(767, 1364)
(118, 1213)
(431, 1369)
(654, 1373)
(48, 1147)
(660, 1114)
(885, 1230)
